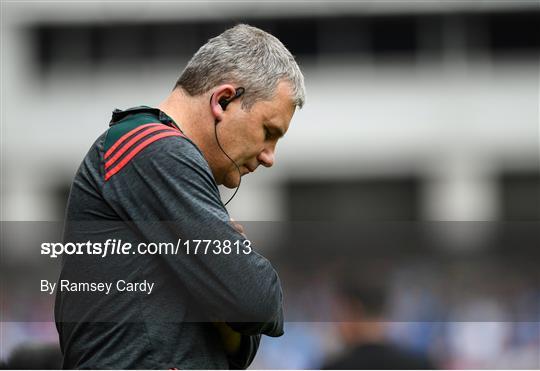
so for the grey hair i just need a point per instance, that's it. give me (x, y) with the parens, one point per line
(248, 57)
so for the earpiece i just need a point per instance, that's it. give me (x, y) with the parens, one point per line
(224, 102)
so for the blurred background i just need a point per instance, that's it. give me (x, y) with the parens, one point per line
(425, 113)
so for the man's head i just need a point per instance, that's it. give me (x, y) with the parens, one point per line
(250, 126)
(362, 311)
(248, 57)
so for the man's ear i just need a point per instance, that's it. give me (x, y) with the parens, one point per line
(219, 96)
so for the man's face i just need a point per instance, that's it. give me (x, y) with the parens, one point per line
(250, 137)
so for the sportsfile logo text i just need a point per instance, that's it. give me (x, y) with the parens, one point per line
(119, 247)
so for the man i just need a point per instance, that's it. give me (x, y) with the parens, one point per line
(153, 177)
(364, 334)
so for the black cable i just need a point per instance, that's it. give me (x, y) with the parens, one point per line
(237, 167)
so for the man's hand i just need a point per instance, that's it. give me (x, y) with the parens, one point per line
(231, 339)
(239, 227)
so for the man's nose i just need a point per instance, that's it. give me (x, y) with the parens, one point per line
(266, 157)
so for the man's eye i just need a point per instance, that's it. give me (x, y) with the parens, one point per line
(266, 133)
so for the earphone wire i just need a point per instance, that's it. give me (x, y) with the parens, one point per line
(237, 167)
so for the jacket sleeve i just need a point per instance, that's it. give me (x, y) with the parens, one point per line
(169, 193)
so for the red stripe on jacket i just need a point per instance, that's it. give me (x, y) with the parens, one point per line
(127, 135)
(170, 132)
(132, 141)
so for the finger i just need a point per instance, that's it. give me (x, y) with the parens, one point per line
(239, 227)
